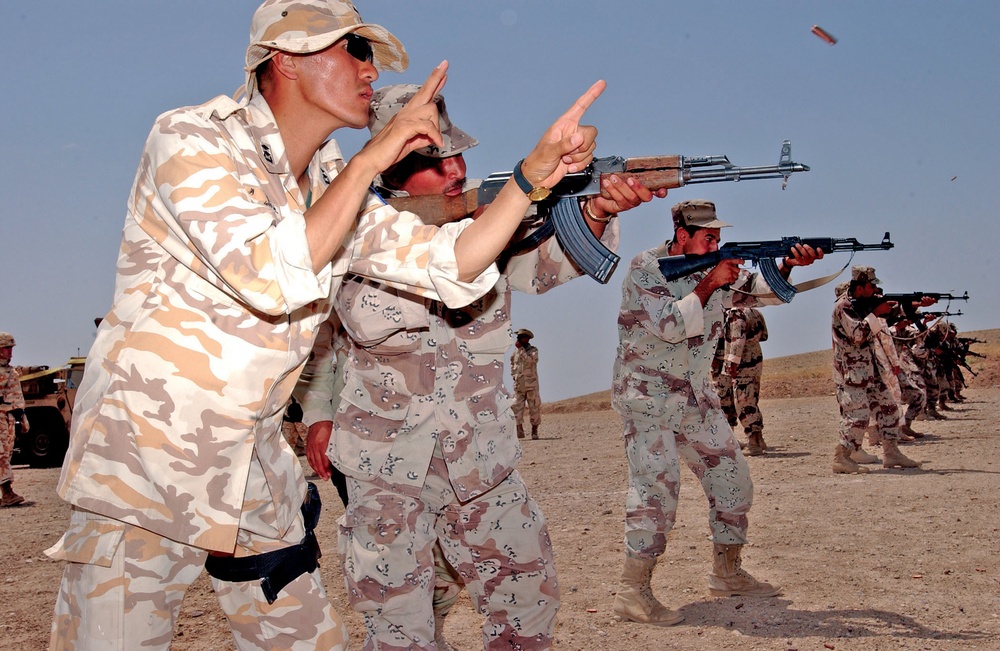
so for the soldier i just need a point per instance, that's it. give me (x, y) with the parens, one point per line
(862, 381)
(425, 435)
(242, 223)
(742, 367)
(909, 345)
(524, 370)
(11, 413)
(668, 334)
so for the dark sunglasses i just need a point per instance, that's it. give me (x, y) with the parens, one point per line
(359, 47)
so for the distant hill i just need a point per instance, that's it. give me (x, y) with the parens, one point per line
(808, 374)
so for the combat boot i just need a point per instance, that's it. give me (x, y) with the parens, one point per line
(534, 432)
(729, 579)
(755, 447)
(909, 431)
(943, 406)
(874, 438)
(520, 430)
(843, 464)
(10, 498)
(932, 412)
(860, 456)
(442, 644)
(635, 601)
(892, 457)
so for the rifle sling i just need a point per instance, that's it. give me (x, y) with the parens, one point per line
(803, 286)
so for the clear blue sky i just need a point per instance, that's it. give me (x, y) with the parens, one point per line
(905, 101)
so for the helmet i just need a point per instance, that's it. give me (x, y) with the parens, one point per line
(6, 339)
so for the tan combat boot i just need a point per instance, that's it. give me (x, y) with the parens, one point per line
(907, 430)
(10, 498)
(892, 457)
(843, 464)
(729, 579)
(635, 601)
(756, 447)
(520, 430)
(860, 456)
(930, 411)
(942, 405)
(534, 432)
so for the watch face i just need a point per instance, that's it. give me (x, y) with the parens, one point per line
(537, 194)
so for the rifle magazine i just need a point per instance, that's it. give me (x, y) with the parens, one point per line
(579, 243)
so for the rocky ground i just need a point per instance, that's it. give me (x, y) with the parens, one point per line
(891, 560)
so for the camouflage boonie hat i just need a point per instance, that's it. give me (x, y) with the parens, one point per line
(841, 288)
(387, 101)
(862, 274)
(696, 212)
(6, 339)
(306, 26)
(524, 332)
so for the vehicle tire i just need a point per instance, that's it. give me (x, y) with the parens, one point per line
(47, 439)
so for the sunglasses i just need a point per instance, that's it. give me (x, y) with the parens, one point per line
(359, 48)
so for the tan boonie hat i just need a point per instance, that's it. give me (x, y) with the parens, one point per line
(841, 288)
(524, 332)
(306, 26)
(861, 274)
(387, 101)
(696, 212)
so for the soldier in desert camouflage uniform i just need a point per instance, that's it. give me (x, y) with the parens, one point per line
(742, 368)
(243, 220)
(524, 371)
(662, 389)
(909, 344)
(425, 434)
(11, 413)
(862, 380)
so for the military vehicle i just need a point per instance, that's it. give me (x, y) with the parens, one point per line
(48, 402)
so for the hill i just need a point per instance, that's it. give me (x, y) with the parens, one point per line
(808, 375)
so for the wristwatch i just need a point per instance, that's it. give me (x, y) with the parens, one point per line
(534, 193)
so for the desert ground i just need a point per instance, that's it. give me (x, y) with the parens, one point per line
(890, 560)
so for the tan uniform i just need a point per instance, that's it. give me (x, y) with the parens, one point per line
(11, 398)
(524, 371)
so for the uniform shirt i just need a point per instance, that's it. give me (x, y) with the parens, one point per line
(854, 338)
(667, 340)
(524, 368)
(419, 373)
(177, 426)
(745, 329)
(10, 390)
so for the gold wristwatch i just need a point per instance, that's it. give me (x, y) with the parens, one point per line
(535, 193)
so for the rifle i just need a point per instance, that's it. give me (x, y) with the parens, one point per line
(938, 315)
(910, 311)
(560, 213)
(763, 254)
(968, 341)
(974, 354)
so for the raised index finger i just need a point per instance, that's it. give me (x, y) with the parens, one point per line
(581, 105)
(432, 85)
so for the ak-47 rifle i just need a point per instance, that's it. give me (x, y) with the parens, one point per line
(939, 315)
(763, 255)
(909, 303)
(561, 211)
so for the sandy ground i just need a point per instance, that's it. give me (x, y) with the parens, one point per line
(891, 560)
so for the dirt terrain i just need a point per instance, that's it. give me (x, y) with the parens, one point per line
(891, 560)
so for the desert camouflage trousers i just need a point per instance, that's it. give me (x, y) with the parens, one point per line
(498, 543)
(123, 587)
(529, 398)
(742, 392)
(861, 405)
(914, 394)
(6, 447)
(709, 449)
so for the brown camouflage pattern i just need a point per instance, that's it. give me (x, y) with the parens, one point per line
(10, 398)
(426, 433)
(662, 388)
(524, 371)
(862, 393)
(745, 328)
(909, 346)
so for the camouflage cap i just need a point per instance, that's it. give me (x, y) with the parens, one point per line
(6, 339)
(696, 212)
(387, 101)
(841, 288)
(524, 332)
(305, 26)
(861, 274)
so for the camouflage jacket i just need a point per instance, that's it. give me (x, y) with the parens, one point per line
(419, 373)
(524, 368)
(177, 427)
(854, 340)
(10, 389)
(667, 341)
(315, 388)
(745, 329)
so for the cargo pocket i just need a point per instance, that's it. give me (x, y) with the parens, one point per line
(91, 539)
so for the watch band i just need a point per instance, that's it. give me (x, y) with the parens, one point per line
(534, 193)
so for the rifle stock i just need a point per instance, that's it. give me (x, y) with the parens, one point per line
(585, 250)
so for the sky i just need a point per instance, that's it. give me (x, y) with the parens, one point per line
(898, 122)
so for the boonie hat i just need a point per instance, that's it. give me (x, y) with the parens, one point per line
(387, 101)
(306, 26)
(862, 274)
(696, 212)
(841, 288)
(526, 333)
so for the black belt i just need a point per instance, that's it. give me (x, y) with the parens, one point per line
(278, 568)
